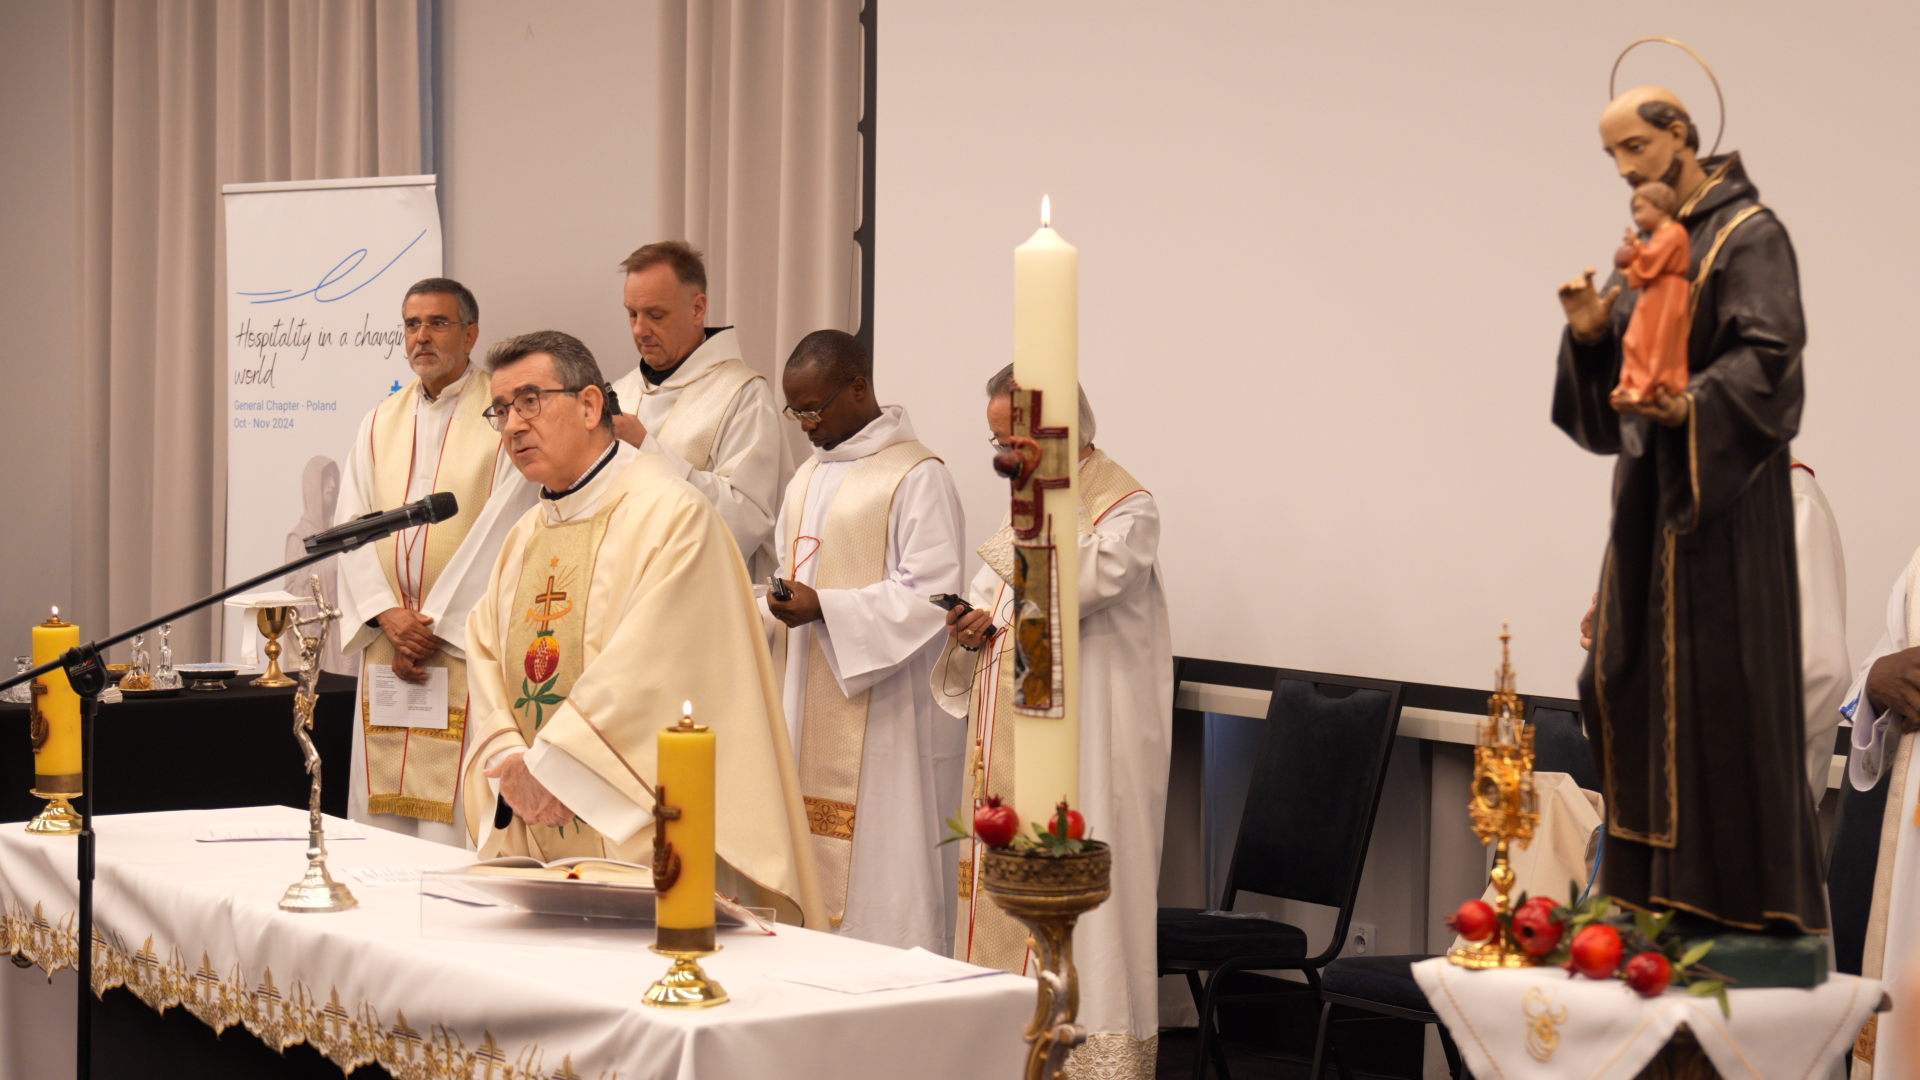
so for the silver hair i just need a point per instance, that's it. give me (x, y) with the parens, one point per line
(1001, 385)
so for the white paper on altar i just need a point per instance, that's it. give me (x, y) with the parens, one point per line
(335, 829)
(902, 971)
(395, 702)
(315, 276)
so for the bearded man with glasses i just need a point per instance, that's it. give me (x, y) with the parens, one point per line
(615, 599)
(405, 598)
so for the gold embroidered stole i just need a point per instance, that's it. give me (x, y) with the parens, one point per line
(414, 772)
(544, 650)
(986, 935)
(853, 555)
(694, 424)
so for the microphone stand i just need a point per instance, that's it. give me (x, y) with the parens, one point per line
(88, 676)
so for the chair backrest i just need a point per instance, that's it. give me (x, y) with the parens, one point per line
(1316, 789)
(1559, 743)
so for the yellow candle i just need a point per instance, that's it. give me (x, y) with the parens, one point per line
(1046, 357)
(56, 764)
(685, 778)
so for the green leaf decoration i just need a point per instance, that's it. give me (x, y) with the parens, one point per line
(1660, 924)
(1712, 988)
(548, 685)
(1644, 923)
(955, 831)
(550, 699)
(1694, 954)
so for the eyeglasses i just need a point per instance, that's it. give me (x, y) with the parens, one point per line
(436, 324)
(998, 446)
(812, 416)
(527, 404)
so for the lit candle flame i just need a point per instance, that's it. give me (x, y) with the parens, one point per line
(686, 709)
(56, 612)
(1046, 212)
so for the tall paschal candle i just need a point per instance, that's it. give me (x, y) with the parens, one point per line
(1046, 357)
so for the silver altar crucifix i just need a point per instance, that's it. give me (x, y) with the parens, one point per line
(316, 891)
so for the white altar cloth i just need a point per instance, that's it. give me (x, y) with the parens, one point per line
(196, 925)
(1538, 1023)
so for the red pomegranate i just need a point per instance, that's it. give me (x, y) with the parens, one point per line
(1076, 825)
(1535, 927)
(1475, 921)
(1648, 974)
(1596, 951)
(994, 823)
(543, 659)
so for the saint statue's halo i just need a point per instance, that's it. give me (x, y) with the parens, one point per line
(1720, 98)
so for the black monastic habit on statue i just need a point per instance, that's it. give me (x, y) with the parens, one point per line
(1692, 693)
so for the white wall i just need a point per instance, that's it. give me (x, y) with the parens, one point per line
(546, 166)
(37, 308)
(1318, 250)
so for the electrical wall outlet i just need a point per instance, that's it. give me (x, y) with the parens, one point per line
(1362, 940)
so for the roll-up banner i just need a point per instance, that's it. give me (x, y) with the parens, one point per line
(316, 272)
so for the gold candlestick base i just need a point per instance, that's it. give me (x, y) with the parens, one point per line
(1048, 894)
(273, 623)
(58, 817)
(685, 986)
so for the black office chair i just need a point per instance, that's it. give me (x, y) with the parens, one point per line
(1303, 836)
(1382, 986)
(1560, 741)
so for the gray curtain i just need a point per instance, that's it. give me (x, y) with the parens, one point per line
(172, 99)
(759, 163)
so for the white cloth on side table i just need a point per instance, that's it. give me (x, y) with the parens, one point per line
(1602, 1030)
(207, 913)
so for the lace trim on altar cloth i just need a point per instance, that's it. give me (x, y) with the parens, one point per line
(279, 1016)
(1113, 1055)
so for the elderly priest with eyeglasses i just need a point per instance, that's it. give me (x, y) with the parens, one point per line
(617, 598)
(870, 532)
(1126, 737)
(404, 599)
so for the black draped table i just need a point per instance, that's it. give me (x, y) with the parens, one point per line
(197, 750)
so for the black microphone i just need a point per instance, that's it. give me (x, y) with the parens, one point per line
(367, 528)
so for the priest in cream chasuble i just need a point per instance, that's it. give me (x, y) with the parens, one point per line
(1126, 735)
(695, 402)
(404, 599)
(613, 601)
(872, 528)
(1884, 705)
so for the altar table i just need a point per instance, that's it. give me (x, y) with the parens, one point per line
(194, 925)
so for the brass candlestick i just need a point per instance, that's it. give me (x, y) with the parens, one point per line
(685, 985)
(1502, 807)
(273, 622)
(58, 817)
(1048, 894)
(316, 891)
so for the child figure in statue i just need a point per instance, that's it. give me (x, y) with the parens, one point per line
(1653, 351)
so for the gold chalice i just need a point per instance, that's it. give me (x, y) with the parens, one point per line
(273, 622)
